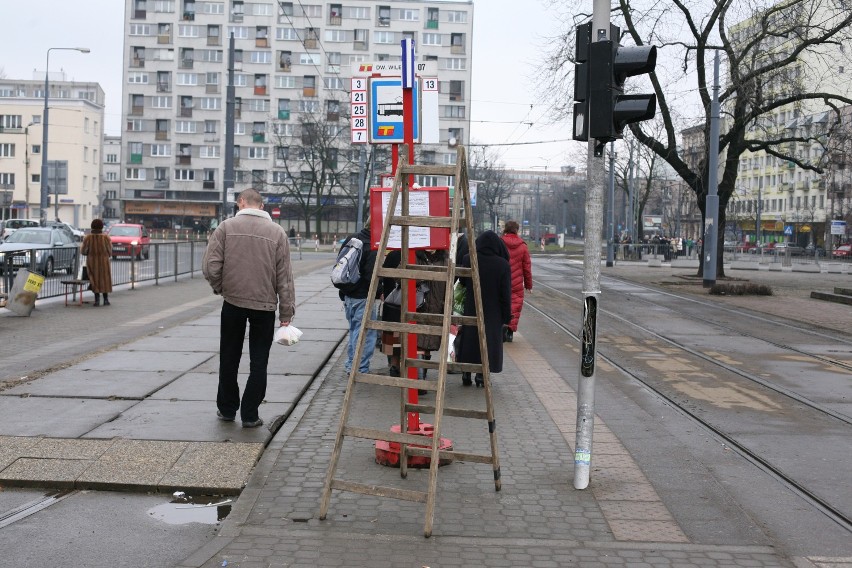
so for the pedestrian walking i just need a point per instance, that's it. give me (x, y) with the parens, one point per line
(334, 245)
(247, 262)
(97, 248)
(355, 302)
(519, 261)
(316, 243)
(495, 278)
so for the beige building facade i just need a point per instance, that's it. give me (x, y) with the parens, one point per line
(75, 131)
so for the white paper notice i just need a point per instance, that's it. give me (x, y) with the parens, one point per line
(418, 204)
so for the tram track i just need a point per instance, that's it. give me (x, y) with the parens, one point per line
(730, 368)
(764, 459)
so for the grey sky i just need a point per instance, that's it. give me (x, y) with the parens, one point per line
(507, 40)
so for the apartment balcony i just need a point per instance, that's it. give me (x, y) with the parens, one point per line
(161, 184)
(236, 162)
(384, 21)
(332, 116)
(164, 38)
(186, 112)
(183, 161)
(137, 110)
(261, 42)
(431, 24)
(258, 137)
(359, 45)
(309, 92)
(788, 186)
(284, 66)
(211, 137)
(803, 185)
(238, 113)
(259, 89)
(137, 62)
(333, 69)
(237, 17)
(186, 63)
(283, 115)
(189, 16)
(164, 87)
(334, 20)
(135, 158)
(311, 43)
(161, 135)
(457, 49)
(211, 88)
(208, 184)
(140, 14)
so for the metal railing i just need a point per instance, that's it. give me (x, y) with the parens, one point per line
(163, 261)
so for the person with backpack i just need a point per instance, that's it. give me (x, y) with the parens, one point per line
(351, 275)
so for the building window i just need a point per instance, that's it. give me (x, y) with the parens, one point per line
(134, 174)
(384, 37)
(7, 150)
(286, 34)
(161, 150)
(184, 175)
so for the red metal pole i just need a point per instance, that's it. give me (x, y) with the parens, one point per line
(411, 348)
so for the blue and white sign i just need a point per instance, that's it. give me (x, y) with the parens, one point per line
(386, 110)
(408, 63)
(838, 227)
(788, 230)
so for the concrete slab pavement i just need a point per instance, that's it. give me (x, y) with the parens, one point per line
(142, 415)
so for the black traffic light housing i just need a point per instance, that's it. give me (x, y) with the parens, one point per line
(611, 110)
(581, 82)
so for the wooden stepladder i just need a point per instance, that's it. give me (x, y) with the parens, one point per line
(420, 323)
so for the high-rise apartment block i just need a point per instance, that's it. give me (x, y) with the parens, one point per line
(291, 59)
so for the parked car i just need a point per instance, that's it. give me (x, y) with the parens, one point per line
(76, 233)
(130, 240)
(784, 248)
(764, 247)
(9, 226)
(842, 251)
(54, 249)
(814, 250)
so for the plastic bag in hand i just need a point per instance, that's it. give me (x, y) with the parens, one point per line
(288, 335)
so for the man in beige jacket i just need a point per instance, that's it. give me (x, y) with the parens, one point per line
(247, 262)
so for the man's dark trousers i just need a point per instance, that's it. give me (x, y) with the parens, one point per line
(233, 333)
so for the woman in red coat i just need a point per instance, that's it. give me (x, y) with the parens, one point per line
(519, 260)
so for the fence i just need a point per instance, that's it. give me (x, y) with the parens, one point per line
(166, 260)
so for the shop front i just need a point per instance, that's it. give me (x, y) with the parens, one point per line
(173, 215)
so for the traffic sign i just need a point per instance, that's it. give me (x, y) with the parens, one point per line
(788, 230)
(276, 212)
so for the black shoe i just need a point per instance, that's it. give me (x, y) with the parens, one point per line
(223, 417)
(106, 302)
(509, 335)
(505, 334)
(97, 303)
(466, 382)
(480, 380)
(253, 423)
(393, 371)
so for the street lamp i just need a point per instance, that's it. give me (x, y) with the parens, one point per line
(45, 196)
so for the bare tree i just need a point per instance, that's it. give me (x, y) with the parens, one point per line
(314, 165)
(496, 186)
(764, 45)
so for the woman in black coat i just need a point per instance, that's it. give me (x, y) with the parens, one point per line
(495, 278)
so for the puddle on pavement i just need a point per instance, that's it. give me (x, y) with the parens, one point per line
(182, 510)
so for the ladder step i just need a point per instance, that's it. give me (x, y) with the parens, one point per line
(421, 221)
(451, 455)
(427, 170)
(379, 490)
(448, 411)
(436, 273)
(432, 364)
(387, 436)
(438, 319)
(405, 327)
(399, 382)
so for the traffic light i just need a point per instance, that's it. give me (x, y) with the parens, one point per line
(581, 82)
(610, 109)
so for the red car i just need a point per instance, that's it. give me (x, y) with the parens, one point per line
(843, 251)
(130, 240)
